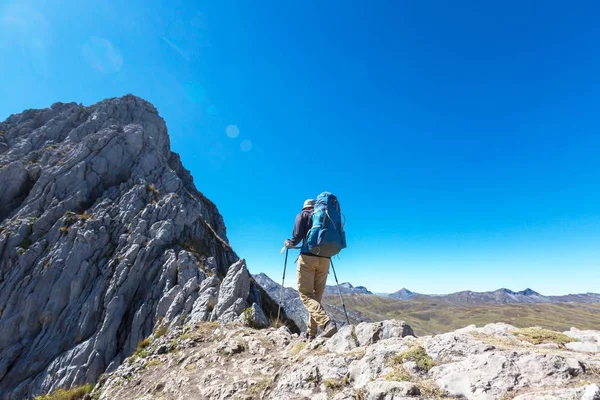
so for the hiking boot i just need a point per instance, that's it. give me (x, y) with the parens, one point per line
(306, 336)
(329, 329)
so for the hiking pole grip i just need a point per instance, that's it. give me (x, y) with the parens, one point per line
(339, 291)
(281, 291)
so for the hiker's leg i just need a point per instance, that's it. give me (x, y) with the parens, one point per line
(319, 285)
(320, 281)
(307, 266)
(321, 278)
(322, 269)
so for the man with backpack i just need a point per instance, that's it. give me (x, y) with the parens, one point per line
(320, 229)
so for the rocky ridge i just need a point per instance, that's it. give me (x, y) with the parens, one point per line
(103, 237)
(345, 288)
(371, 361)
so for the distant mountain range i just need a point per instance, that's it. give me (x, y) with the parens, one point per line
(468, 297)
(500, 296)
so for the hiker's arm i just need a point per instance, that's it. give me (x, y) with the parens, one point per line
(299, 232)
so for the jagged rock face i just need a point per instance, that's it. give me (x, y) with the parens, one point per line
(369, 361)
(102, 236)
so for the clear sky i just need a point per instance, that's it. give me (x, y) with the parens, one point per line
(462, 138)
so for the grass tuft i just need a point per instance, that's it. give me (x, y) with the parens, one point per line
(256, 390)
(539, 335)
(429, 390)
(398, 374)
(85, 216)
(153, 363)
(161, 331)
(298, 347)
(334, 384)
(416, 354)
(141, 348)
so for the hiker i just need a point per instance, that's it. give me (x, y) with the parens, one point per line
(312, 274)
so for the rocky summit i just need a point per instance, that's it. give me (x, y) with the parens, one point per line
(370, 361)
(103, 238)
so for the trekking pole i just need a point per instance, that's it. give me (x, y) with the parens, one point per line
(339, 291)
(281, 291)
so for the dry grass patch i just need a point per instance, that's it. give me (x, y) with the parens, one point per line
(398, 373)
(298, 347)
(85, 216)
(539, 335)
(71, 394)
(500, 342)
(190, 367)
(206, 327)
(161, 331)
(357, 354)
(153, 363)
(429, 390)
(256, 390)
(152, 188)
(334, 384)
(592, 372)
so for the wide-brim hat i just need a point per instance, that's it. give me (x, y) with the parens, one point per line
(308, 203)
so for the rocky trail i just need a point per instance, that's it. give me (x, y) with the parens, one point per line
(369, 361)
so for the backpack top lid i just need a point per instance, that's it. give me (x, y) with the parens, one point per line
(327, 199)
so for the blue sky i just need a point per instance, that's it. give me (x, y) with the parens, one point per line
(461, 138)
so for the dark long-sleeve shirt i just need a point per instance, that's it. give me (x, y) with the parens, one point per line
(301, 227)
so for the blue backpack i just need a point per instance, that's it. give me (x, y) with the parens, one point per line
(326, 238)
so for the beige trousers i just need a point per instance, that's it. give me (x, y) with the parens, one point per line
(312, 275)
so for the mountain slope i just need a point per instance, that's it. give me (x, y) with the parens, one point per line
(430, 315)
(103, 236)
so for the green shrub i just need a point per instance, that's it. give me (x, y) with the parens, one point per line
(141, 348)
(26, 243)
(416, 354)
